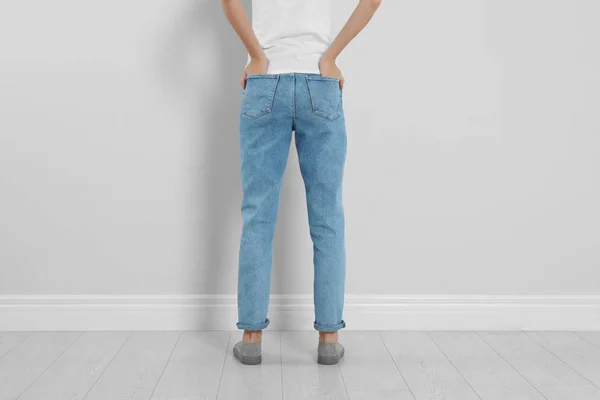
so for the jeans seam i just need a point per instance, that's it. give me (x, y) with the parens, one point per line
(293, 101)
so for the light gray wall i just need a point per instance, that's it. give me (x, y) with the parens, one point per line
(473, 166)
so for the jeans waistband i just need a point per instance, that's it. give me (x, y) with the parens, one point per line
(280, 75)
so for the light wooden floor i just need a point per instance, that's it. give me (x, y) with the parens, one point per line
(196, 365)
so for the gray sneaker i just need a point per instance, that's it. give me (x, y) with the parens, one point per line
(248, 353)
(330, 353)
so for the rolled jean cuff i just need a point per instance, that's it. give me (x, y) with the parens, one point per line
(330, 328)
(254, 327)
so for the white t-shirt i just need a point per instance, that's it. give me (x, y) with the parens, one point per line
(293, 33)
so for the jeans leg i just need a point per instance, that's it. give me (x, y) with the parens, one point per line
(321, 145)
(264, 148)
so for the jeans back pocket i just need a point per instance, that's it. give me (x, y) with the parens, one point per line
(325, 96)
(259, 95)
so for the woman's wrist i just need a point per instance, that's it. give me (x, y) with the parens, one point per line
(260, 57)
(328, 57)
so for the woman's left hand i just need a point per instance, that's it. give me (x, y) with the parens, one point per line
(328, 68)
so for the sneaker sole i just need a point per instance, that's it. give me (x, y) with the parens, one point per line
(248, 360)
(324, 360)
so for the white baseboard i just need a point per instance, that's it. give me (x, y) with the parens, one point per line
(362, 312)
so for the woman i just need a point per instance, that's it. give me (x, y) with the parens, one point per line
(292, 84)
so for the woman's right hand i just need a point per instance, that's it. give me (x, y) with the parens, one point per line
(328, 68)
(255, 66)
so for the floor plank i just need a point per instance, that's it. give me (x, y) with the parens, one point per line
(312, 381)
(302, 377)
(134, 372)
(591, 337)
(489, 375)
(73, 374)
(299, 346)
(253, 382)
(194, 370)
(552, 377)
(426, 369)
(28, 360)
(377, 395)
(581, 355)
(9, 340)
(368, 366)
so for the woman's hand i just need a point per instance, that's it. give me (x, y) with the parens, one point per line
(328, 68)
(255, 66)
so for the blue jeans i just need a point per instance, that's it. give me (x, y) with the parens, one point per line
(274, 106)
